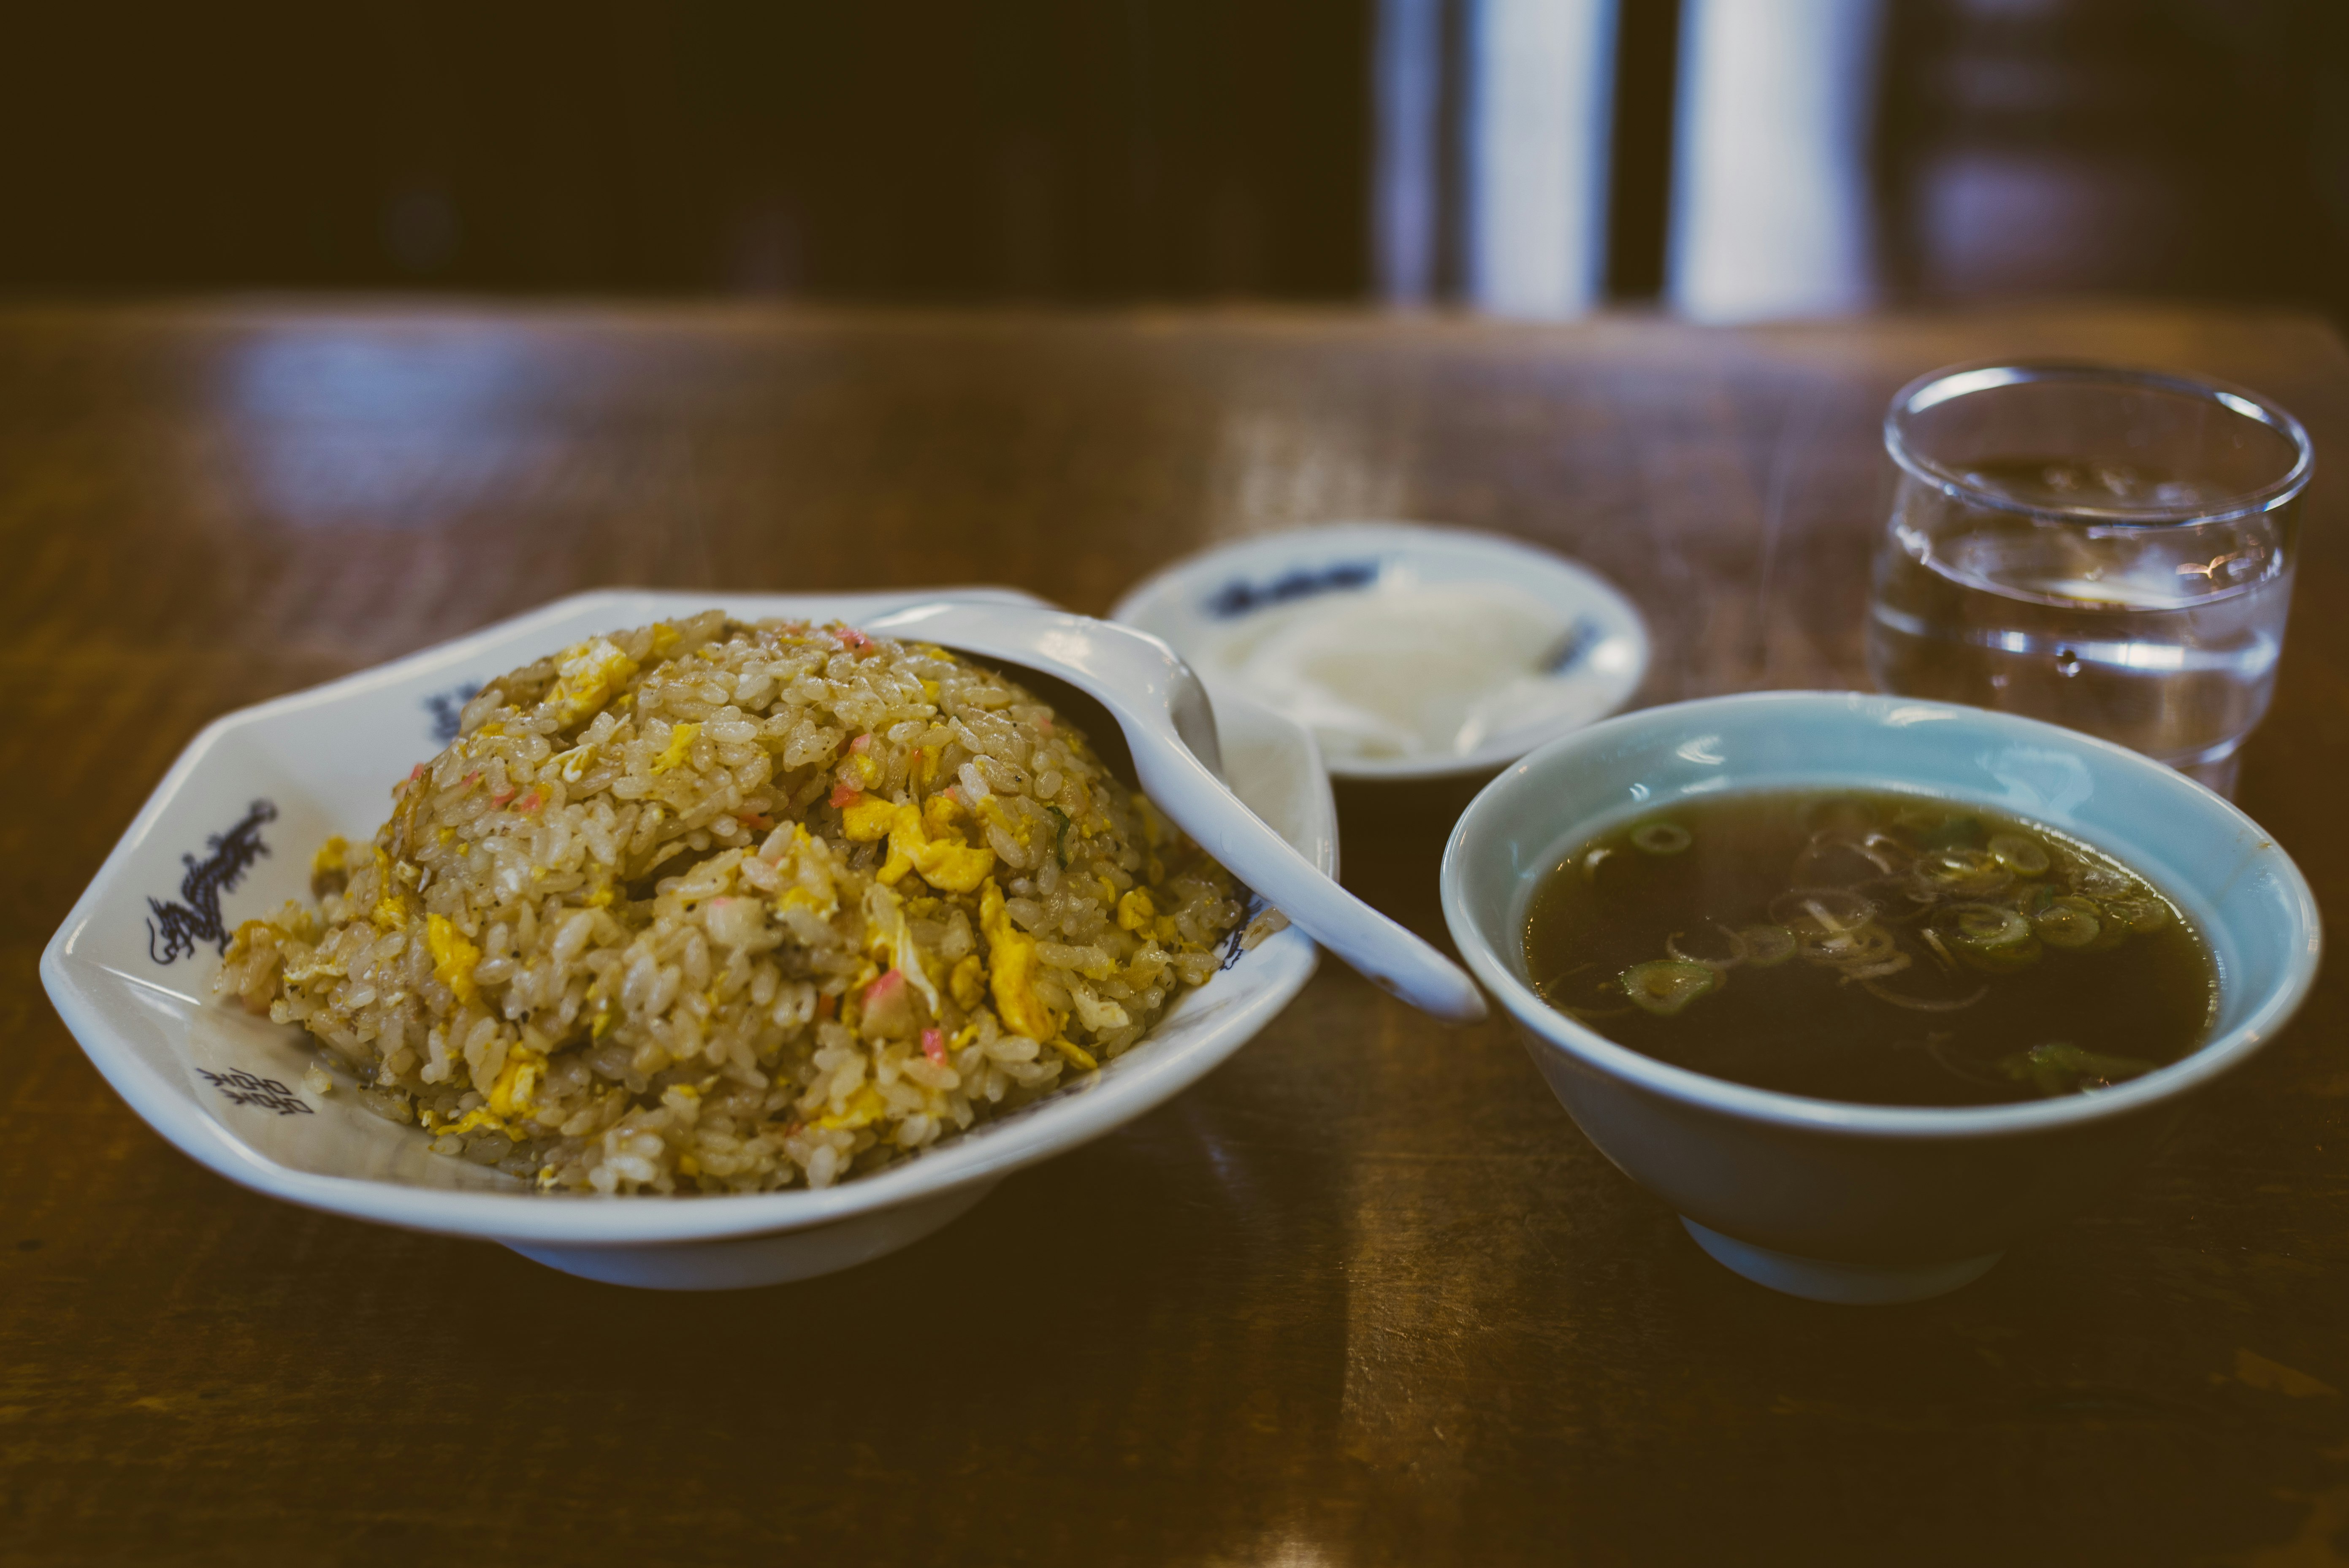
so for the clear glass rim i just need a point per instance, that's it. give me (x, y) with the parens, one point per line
(1955, 381)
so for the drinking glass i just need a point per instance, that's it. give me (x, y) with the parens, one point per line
(2105, 547)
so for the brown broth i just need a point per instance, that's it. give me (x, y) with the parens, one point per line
(2021, 982)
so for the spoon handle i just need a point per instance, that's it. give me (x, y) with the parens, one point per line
(1164, 714)
(1389, 957)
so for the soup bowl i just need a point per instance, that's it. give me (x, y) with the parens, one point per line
(1868, 1203)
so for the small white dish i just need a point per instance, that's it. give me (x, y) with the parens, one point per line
(1873, 1203)
(1229, 610)
(228, 834)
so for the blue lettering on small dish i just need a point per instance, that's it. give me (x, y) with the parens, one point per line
(1240, 597)
(174, 929)
(1570, 649)
(264, 1093)
(447, 709)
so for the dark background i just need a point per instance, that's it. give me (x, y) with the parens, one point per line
(922, 148)
(1080, 150)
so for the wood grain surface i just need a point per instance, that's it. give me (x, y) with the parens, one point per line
(1366, 1295)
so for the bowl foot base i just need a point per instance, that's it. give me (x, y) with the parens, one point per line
(1850, 1284)
(741, 1263)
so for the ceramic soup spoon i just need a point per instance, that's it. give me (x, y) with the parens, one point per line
(1169, 728)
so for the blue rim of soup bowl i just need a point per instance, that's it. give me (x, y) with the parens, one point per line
(2216, 1057)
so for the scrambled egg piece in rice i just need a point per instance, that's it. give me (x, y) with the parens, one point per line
(717, 906)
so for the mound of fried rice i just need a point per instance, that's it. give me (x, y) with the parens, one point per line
(723, 907)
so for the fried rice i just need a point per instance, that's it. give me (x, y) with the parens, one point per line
(716, 906)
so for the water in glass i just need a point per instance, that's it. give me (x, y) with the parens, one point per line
(2078, 581)
(2163, 638)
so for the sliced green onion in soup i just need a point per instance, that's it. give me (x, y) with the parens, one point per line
(1914, 821)
(1766, 945)
(2069, 922)
(1983, 926)
(2023, 856)
(1661, 838)
(1866, 943)
(1821, 911)
(2138, 915)
(1962, 872)
(2032, 899)
(1729, 960)
(2103, 882)
(2060, 1067)
(1988, 936)
(1665, 986)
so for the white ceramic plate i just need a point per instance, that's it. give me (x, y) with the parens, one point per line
(228, 834)
(1212, 604)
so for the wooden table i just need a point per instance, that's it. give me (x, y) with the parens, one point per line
(1366, 1295)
